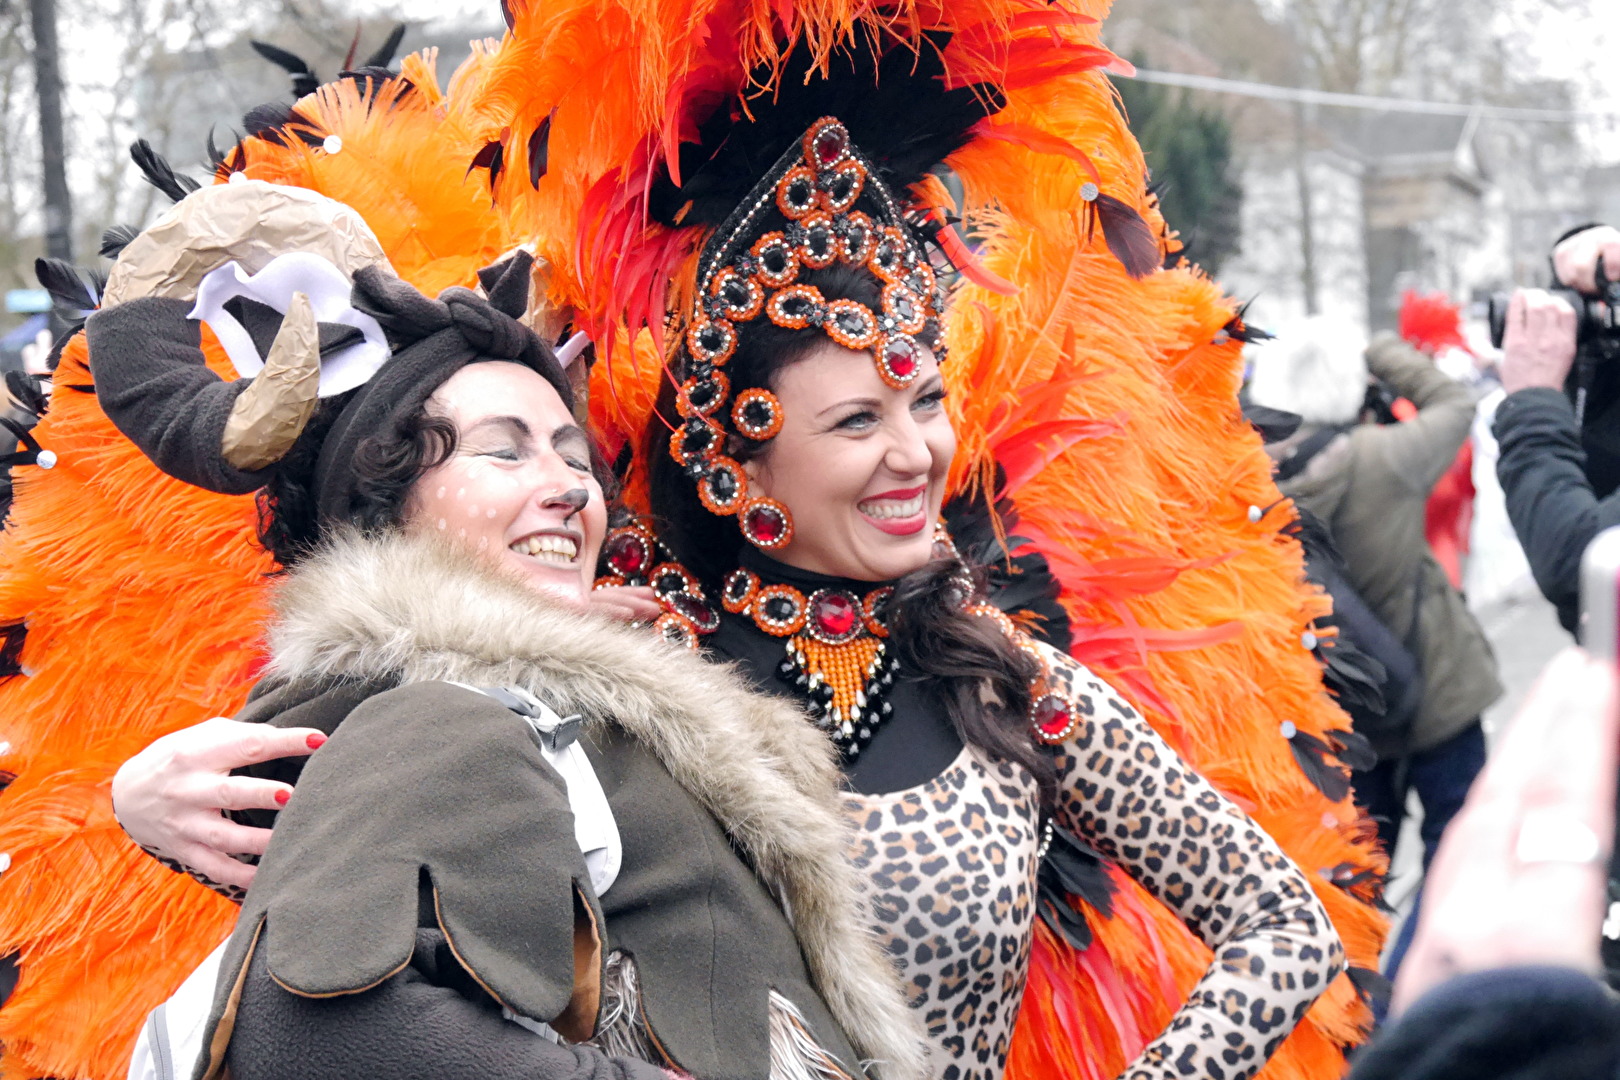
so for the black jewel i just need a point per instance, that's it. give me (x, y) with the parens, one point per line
(850, 323)
(779, 609)
(736, 293)
(757, 413)
(775, 260)
(723, 485)
(703, 394)
(795, 306)
(799, 192)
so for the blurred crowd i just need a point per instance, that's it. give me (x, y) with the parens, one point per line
(1436, 476)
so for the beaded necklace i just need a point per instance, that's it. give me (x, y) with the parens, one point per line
(835, 653)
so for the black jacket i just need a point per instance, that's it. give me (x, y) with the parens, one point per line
(1520, 1023)
(1554, 509)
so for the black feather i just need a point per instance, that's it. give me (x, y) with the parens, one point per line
(304, 80)
(1240, 330)
(1355, 678)
(25, 391)
(1362, 882)
(1072, 872)
(70, 294)
(11, 646)
(157, 172)
(1373, 987)
(1352, 749)
(216, 156)
(1128, 236)
(1023, 585)
(273, 122)
(1328, 776)
(384, 56)
(539, 149)
(892, 100)
(491, 157)
(371, 78)
(116, 239)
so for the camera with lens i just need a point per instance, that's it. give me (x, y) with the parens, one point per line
(1597, 318)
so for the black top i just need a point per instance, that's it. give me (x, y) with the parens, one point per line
(915, 744)
(1555, 507)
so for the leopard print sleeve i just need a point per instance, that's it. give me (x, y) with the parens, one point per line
(1124, 790)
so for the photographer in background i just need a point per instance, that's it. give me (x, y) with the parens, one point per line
(1559, 427)
(1368, 478)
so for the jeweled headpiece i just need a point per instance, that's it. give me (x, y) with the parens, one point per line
(750, 269)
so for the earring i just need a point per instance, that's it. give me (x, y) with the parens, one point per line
(765, 523)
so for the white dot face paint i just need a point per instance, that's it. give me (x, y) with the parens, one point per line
(516, 446)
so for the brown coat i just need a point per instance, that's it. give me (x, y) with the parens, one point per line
(1371, 487)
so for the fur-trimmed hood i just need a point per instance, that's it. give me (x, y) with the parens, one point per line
(419, 610)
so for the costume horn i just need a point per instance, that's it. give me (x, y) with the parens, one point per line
(271, 413)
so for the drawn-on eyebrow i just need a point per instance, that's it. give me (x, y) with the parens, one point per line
(515, 425)
(572, 435)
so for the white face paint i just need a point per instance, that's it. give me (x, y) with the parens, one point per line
(518, 458)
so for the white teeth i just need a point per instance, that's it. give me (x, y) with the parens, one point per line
(548, 547)
(885, 509)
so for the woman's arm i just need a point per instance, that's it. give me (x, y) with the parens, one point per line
(1133, 798)
(428, 1022)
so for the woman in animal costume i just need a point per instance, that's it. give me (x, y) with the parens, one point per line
(1109, 402)
(461, 863)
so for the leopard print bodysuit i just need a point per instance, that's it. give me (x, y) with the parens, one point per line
(952, 864)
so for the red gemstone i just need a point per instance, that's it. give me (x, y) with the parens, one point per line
(765, 525)
(701, 614)
(829, 145)
(834, 613)
(627, 554)
(1052, 716)
(901, 357)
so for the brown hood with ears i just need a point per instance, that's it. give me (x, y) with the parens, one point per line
(417, 610)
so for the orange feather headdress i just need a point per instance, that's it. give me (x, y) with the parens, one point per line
(1107, 401)
(1104, 404)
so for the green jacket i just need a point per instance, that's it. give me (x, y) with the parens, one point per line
(1371, 487)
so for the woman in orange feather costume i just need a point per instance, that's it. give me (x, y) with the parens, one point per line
(1110, 400)
(1107, 402)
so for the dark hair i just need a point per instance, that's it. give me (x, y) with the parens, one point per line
(386, 464)
(983, 679)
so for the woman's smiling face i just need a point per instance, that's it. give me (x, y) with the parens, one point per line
(860, 466)
(519, 486)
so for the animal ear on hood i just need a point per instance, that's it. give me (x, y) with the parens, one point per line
(242, 256)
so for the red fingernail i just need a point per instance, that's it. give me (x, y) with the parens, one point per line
(315, 741)
(283, 796)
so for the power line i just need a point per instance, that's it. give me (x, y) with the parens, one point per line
(1272, 92)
